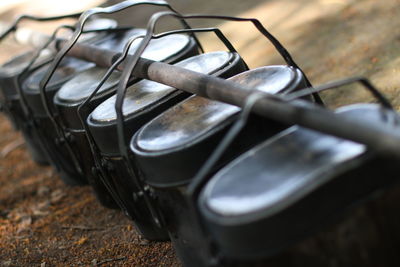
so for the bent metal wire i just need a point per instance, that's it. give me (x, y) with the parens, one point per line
(84, 18)
(32, 63)
(36, 151)
(64, 50)
(124, 54)
(123, 83)
(245, 252)
(14, 26)
(131, 65)
(62, 138)
(250, 103)
(34, 104)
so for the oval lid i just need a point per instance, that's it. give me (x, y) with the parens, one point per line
(144, 93)
(162, 48)
(192, 118)
(83, 84)
(67, 69)
(283, 169)
(18, 63)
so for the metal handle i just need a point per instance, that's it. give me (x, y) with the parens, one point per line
(60, 55)
(117, 62)
(82, 109)
(150, 30)
(69, 44)
(367, 85)
(14, 25)
(122, 86)
(200, 178)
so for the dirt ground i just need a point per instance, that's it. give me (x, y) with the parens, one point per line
(45, 223)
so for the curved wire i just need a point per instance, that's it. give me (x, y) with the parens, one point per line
(82, 107)
(30, 120)
(14, 25)
(67, 47)
(150, 30)
(200, 178)
(367, 85)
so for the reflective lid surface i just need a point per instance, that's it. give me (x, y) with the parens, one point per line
(163, 48)
(144, 93)
(82, 85)
(20, 62)
(67, 69)
(283, 169)
(194, 117)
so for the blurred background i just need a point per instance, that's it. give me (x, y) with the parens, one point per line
(329, 39)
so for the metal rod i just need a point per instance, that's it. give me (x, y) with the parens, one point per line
(299, 112)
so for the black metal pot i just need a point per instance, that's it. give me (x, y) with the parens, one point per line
(59, 154)
(170, 149)
(287, 187)
(14, 72)
(73, 93)
(144, 101)
(11, 73)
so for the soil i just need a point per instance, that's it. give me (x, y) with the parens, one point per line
(46, 223)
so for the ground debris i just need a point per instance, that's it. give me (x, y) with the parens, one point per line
(11, 147)
(43, 190)
(57, 195)
(25, 223)
(82, 227)
(107, 261)
(82, 241)
(326, 54)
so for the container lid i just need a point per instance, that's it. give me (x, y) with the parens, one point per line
(162, 48)
(194, 117)
(81, 86)
(15, 65)
(119, 39)
(282, 170)
(144, 93)
(67, 69)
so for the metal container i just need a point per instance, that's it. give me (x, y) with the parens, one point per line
(170, 149)
(56, 148)
(144, 101)
(11, 74)
(287, 187)
(73, 93)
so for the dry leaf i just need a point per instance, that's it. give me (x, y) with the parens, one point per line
(43, 190)
(81, 241)
(40, 209)
(56, 195)
(24, 224)
(11, 147)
